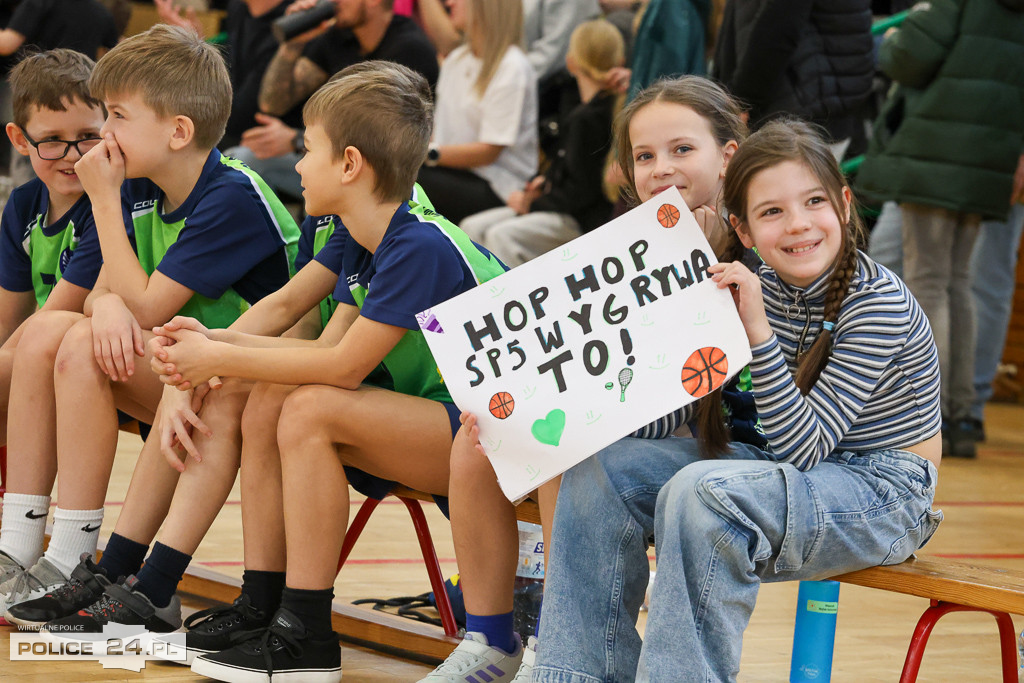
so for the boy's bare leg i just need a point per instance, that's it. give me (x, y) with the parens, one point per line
(32, 426)
(391, 435)
(6, 367)
(87, 401)
(483, 529)
(547, 495)
(32, 449)
(204, 486)
(263, 530)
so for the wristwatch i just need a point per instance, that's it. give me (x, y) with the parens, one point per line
(433, 156)
(298, 143)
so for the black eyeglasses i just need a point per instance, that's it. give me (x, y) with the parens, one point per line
(51, 150)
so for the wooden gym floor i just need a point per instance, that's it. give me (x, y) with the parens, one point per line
(983, 501)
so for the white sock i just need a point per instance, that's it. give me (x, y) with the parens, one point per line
(24, 526)
(74, 532)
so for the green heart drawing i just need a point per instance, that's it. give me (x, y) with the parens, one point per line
(549, 430)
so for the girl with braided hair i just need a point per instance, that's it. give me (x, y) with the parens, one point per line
(846, 383)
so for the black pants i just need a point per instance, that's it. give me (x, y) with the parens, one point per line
(457, 193)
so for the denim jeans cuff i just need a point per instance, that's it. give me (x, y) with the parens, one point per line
(546, 674)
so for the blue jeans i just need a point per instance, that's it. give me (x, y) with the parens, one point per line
(993, 271)
(723, 526)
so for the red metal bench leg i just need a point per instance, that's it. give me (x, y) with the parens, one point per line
(356, 528)
(3, 470)
(939, 609)
(444, 606)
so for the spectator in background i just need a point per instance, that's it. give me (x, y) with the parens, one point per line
(567, 201)
(361, 30)
(82, 25)
(670, 41)
(945, 147)
(807, 58)
(485, 122)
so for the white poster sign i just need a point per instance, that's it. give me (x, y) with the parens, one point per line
(571, 351)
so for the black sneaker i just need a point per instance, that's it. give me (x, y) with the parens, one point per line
(119, 604)
(961, 440)
(217, 628)
(284, 650)
(85, 587)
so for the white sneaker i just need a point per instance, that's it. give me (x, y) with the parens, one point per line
(529, 658)
(475, 660)
(30, 584)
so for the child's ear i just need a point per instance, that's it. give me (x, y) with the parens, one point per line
(847, 200)
(17, 138)
(352, 164)
(184, 132)
(741, 231)
(728, 149)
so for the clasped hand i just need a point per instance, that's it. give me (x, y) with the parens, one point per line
(182, 354)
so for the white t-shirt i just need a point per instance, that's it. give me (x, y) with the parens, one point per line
(506, 115)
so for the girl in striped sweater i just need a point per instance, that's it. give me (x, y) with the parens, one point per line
(846, 383)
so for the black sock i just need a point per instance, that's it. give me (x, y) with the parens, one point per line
(159, 577)
(264, 589)
(313, 607)
(122, 557)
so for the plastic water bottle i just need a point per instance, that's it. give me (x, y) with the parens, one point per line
(529, 586)
(815, 631)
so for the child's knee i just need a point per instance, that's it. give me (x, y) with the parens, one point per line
(43, 334)
(468, 464)
(76, 352)
(262, 409)
(303, 417)
(225, 406)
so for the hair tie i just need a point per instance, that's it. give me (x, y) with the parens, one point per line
(828, 326)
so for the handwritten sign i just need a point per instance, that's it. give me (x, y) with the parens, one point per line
(571, 351)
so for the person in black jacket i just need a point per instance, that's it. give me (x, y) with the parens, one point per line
(568, 200)
(808, 58)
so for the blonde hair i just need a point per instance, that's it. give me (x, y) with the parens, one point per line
(175, 73)
(382, 109)
(499, 24)
(597, 47)
(52, 80)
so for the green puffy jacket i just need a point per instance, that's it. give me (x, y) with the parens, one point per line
(952, 129)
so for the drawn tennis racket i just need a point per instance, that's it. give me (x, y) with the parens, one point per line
(625, 377)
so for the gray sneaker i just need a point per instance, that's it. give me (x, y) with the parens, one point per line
(30, 584)
(475, 660)
(529, 658)
(121, 604)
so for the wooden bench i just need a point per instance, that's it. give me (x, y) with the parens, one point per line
(950, 586)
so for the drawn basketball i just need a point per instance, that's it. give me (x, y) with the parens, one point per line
(704, 371)
(502, 405)
(668, 215)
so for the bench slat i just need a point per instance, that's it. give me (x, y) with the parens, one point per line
(991, 588)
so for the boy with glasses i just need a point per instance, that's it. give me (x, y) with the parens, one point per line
(49, 252)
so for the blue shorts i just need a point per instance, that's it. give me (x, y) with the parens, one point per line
(373, 486)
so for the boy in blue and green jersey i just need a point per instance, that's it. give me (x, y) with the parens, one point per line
(303, 445)
(181, 229)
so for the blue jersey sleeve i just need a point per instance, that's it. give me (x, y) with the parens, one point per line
(227, 238)
(84, 266)
(412, 274)
(330, 256)
(307, 233)
(15, 264)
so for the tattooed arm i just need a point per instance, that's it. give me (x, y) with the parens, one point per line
(289, 80)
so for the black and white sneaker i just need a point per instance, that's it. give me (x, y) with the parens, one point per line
(119, 604)
(217, 628)
(284, 650)
(83, 588)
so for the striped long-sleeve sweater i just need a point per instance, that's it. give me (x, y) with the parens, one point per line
(880, 388)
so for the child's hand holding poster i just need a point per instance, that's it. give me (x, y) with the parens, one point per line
(568, 353)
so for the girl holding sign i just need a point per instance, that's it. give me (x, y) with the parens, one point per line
(680, 132)
(845, 379)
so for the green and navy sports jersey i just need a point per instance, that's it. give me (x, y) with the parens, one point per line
(34, 255)
(422, 261)
(231, 241)
(316, 233)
